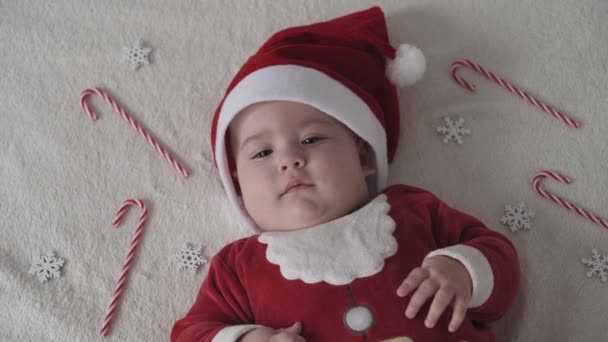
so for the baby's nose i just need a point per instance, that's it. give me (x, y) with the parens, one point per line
(296, 165)
(292, 160)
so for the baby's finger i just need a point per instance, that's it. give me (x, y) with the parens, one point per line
(440, 302)
(285, 336)
(296, 328)
(411, 282)
(425, 291)
(460, 311)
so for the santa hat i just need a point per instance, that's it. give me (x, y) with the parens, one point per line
(344, 67)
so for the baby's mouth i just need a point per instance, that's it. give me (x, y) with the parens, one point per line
(296, 185)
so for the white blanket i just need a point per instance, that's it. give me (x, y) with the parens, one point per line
(63, 176)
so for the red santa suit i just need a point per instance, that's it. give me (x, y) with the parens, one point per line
(340, 278)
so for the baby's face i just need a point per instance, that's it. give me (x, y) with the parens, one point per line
(279, 144)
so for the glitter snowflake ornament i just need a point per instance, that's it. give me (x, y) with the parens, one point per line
(453, 130)
(46, 266)
(190, 258)
(517, 217)
(598, 265)
(136, 55)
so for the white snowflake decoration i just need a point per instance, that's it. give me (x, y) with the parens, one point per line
(453, 130)
(598, 265)
(136, 55)
(46, 267)
(190, 258)
(517, 217)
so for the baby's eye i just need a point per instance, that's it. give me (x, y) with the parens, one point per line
(262, 154)
(311, 140)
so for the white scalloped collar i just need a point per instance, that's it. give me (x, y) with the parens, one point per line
(337, 252)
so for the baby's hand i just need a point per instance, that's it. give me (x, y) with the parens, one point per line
(265, 334)
(444, 278)
(291, 334)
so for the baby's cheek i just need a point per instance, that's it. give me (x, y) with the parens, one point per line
(251, 176)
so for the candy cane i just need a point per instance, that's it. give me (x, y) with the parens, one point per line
(133, 124)
(132, 249)
(563, 179)
(511, 88)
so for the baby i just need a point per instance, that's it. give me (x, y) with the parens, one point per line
(302, 142)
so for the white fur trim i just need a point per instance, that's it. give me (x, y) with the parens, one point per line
(233, 332)
(336, 252)
(304, 85)
(478, 266)
(408, 67)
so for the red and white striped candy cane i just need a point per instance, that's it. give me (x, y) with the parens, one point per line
(133, 124)
(508, 86)
(563, 179)
(132, 249)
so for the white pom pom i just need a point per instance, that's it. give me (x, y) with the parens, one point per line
(407, 67)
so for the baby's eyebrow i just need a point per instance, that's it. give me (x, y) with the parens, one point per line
(253, 138)
(318, 121)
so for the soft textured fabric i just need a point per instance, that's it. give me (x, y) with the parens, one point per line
(62, 176)
(243, 287)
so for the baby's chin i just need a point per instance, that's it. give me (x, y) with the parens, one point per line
(301, 218)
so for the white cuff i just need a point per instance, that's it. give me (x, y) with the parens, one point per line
(479, 269)
(233, 332)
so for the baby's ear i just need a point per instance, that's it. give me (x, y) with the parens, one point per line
(366, 155)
